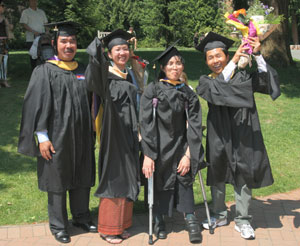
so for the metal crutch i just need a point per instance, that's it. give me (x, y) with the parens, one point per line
(151, 185)
(211, 229)
(150, 202)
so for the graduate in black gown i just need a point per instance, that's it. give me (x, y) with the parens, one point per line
(57, 109)
(119, 177)
(171, 143)
(235, 149)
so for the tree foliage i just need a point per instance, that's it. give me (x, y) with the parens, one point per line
(156, 22)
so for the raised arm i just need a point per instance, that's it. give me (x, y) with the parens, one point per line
(97, 71)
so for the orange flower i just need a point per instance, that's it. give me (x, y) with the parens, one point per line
(238, 12)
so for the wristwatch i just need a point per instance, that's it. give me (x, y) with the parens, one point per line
(256, 53)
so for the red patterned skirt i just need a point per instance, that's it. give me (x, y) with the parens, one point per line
(115, 215)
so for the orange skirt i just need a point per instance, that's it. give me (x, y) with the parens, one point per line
(115, 215)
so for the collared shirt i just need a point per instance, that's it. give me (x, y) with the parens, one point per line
(35, 19)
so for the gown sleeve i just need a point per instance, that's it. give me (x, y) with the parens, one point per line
(194, 132)
(267, 82)
(36, 111)
(238, 92)
(97, 70)
(148, 125)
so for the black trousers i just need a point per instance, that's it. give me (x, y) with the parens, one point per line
(182, 198)
(57, 208)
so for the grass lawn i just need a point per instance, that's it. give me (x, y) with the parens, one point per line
(21, 201)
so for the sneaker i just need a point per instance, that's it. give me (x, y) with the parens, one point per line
(214, 222)
(246, 231)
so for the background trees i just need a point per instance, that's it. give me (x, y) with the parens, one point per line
(159, 22)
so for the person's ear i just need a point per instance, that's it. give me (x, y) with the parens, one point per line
(109, 54)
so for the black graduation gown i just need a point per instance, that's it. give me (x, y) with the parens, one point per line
(58, 101)
(166, 139)
(119, 146)
(234, 138)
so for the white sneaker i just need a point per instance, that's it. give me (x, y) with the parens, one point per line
(246, 231)
(214, 222)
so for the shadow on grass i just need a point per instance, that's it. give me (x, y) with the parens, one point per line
(11, 100)
(3, 186)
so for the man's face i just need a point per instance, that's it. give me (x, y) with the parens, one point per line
(216, 60)
(33, 4)
(66, 48)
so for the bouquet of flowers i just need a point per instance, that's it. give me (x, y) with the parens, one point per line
(248, 22)
(248, 29)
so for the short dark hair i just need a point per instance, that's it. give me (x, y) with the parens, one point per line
(164, 63)
(223, 49)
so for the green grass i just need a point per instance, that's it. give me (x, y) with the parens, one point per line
(21, 201)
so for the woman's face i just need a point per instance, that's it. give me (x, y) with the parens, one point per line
(174, 68)
(120, 55)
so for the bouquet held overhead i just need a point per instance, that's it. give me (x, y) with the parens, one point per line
(254, 22)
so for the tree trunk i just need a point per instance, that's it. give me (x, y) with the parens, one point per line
(276, 48)
(294, 28)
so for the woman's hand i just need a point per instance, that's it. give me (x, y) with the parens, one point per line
(148, 167)
(184, 165)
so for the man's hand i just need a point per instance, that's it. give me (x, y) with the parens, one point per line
(241, 51)
(254, 42)
(46, 149)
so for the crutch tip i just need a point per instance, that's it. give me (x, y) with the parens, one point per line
(211, 230)
(150, 240)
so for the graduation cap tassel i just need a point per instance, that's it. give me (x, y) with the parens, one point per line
(155, 73)
(55, 40)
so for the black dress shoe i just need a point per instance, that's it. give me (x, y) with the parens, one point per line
(160, 230)
(87, 226)
(193, 227)
(62, 237)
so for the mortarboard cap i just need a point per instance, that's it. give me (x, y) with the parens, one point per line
(212, 41)
(117, 37)
(165, 56)
(63, 28)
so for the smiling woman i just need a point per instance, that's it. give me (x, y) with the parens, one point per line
(119, 55)
(118, 172)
